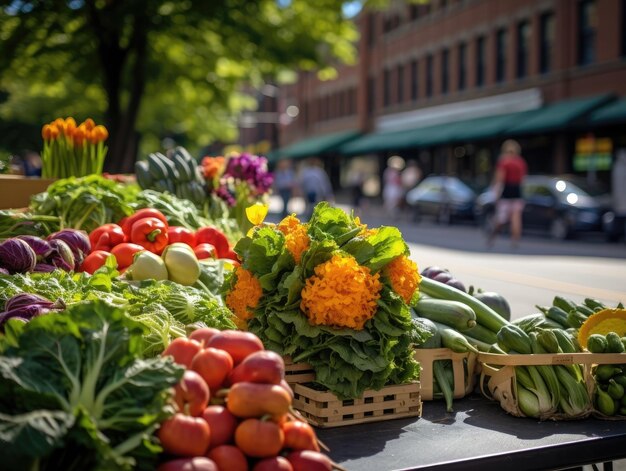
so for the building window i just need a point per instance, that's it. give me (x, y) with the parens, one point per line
(414, 80)
(386, 88)
(587, 25)
(429, 75)
(546, 42)
(500, 55)
(445, 71)
(371, 94)
(400, 81)
(462, 66)
(414, 12)
(523, 38)
(480, 61)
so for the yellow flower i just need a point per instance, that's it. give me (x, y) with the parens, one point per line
(296, 238)
(602, 322)
(365, 232)
(245, 294)
(403, 276)
(256, 213)
(341, 293)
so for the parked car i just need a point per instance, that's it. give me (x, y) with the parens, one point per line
(442, 197)
(563, 206)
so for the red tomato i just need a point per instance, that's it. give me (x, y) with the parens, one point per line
(185, 435)
(181, 234)
(125, 252)
(307, 460)
(222, 424)
(94, 260)
(203, 334)
(213, 236)
(285, 385)
(205, 250)
(231, 254)
(259, 438)
(198, 463)
(183, 350)
(213, 365)
(275, 463)
(191, 394)
(299, 436)
(228, 457)
(237, 343)
(264, 366)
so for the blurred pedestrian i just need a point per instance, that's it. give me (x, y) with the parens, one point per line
(393, 192)
(356, 179)
(284, 181)
(315, 185)
(511, 170)
(411, 176)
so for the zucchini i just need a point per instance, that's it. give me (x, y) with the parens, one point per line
(434, 341)
(442, 380)
(144, 177)
(614, 343)
(484, 314)
(157, 168)
(584, 310)
(185, 173)
(566, 304)
(454, 314)
(479, 344)
(596, 343)
(481, 333)
(594, 304)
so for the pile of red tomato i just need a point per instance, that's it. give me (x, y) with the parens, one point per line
(234, 409)
(148, 229)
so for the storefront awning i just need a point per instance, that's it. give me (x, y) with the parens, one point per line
(612, 113)
(558, 115)
(314, 146)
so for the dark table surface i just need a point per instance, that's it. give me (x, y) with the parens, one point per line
(477, 435)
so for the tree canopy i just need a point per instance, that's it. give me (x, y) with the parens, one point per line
(155, 67)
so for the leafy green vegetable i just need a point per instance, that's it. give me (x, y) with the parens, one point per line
(84, 203)
(15, 222)
(163, 307)
(75, 394)
(346, 361)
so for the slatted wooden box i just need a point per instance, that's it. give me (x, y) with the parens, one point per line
(324, 409)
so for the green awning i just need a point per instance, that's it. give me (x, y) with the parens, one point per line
(486, 128)
(609, 114)
(558, 115)
(315, 146)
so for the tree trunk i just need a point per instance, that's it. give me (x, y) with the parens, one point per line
(120, 121)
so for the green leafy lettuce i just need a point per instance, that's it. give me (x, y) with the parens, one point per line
(75, 393)
(346, 361)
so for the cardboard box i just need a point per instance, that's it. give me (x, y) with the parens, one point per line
(16, 190)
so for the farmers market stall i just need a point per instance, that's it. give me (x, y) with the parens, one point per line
(159, 322)
(479, 435)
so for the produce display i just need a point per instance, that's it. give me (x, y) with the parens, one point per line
(145, 322)
(331, 293)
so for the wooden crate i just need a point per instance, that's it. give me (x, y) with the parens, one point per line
(298, 373)
(16, 190)
(463, 368)
(324, 409)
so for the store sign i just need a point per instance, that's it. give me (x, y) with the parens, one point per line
(593, 154)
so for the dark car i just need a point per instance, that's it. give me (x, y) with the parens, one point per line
(442, 197)
(563, 206)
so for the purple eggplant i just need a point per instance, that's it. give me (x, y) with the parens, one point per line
(44, 268)
(40, 246)
(16, 256)
(4, 271)
(61, 256)
(78, 242)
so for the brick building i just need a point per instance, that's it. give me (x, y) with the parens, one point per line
(445, 82)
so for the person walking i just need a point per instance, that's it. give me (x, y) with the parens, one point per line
(284, 180)
(511, 170)
(315, 185)
(393, 192)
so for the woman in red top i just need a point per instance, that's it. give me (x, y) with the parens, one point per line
(510, 172)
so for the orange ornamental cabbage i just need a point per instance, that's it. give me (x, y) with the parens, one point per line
(403, 276)
(341, 293)
(296, 238)
(244, 296)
